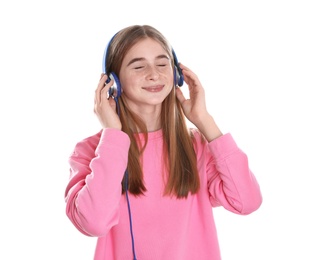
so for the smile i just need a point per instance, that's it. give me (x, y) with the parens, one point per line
(154, 88)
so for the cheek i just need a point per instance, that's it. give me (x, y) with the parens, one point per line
(126, 81)
(170, 77)
(171, 82)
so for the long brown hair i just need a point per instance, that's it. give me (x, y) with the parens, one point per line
(179, 155)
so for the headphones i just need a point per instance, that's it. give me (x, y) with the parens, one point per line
(115, 90)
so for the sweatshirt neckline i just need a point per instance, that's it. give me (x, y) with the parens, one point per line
(151, 135)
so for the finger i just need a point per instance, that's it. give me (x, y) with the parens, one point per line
(182, 66)
(100, 84)
(102, 80)
(190, 78)
(100, 87)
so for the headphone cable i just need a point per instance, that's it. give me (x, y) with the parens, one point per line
(130, 215)
(126, 194)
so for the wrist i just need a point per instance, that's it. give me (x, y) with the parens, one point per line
(208, 127)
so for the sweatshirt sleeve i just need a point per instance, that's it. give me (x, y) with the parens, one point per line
(93, 194)
(231, 183)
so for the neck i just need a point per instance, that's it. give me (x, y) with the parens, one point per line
(151, 118)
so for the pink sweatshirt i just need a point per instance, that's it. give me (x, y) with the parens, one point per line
(163, 227)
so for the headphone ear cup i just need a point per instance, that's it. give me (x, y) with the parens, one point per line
(178, 76)
(115, 90)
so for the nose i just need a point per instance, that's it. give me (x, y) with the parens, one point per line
(152, 73)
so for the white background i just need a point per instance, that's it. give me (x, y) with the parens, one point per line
(257, 62)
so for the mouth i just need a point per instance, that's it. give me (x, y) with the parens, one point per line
(156, 88)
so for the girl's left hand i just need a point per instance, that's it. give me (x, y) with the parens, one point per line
(194, 108)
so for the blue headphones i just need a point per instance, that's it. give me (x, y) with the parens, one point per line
(116, 90)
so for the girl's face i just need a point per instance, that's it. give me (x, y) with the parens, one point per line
(146, 75)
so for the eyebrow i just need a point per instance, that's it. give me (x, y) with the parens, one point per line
(162, 56)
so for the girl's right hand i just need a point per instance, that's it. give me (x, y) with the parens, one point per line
(104, 106)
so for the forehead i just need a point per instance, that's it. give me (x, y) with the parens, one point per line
(147, 47)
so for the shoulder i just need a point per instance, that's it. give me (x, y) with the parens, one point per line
(87, 145)
(105, 139)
